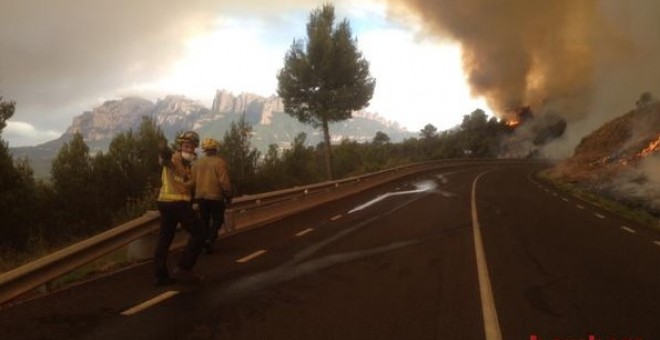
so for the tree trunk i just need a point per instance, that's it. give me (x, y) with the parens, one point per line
(328, 151)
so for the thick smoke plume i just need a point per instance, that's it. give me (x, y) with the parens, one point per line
(586, 60)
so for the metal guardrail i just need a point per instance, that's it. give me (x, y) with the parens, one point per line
(246, 212)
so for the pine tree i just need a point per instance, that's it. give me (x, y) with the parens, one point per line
(325, 78)
(13, 190)
(79, 200)
(241, 158)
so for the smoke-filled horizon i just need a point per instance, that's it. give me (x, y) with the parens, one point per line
(588, 61)
(585, 60)
(61, 58)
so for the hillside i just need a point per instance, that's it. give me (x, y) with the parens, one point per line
(621, 159)
(177, 113)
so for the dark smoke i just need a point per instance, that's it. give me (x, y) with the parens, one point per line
(532, 134)
(586, 60)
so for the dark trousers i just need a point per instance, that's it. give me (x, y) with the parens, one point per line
(171, 214)
(213, 216)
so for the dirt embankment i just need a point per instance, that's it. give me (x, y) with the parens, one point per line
(620, 160)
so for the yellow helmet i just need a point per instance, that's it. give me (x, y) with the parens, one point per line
(210, 144)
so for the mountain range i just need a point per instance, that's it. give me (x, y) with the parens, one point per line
(175, 113)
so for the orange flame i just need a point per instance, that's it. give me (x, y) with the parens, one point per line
(512, 123)
(653, 147)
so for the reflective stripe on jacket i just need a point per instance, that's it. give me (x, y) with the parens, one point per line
(175, 179)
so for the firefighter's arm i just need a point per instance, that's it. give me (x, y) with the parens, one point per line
(180, 169)
(223, 179)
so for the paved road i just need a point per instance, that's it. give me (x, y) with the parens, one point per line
(397, 262)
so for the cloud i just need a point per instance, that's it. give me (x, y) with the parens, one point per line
(565, 54)
(586, 60)
(23, 134)
(417, 81)
(57, 57)
(55, 53)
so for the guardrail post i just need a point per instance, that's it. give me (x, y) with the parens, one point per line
(230, 222)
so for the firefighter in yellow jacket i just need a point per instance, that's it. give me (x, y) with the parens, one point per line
(212, 190)
(175, 206)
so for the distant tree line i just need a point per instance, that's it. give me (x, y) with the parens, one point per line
(324, 79)
(91, 193)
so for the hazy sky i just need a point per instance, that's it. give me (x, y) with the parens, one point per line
(59, 58)
(586, 60)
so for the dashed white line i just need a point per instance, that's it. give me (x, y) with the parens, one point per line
(251, 256)
(158, 299)
(308, 230)
(564, 199)
(599, 215)
(334, 218)
(630, 230)
(580, 207)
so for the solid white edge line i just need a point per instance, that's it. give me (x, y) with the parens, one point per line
(301, 233)
(491, 322)
(158, 299)
(630, 230)
(251, 256)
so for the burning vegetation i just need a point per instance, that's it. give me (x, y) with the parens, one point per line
(654, 146)
(621, 159)
(529, 133)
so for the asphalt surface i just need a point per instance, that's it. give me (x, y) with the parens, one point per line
(395, 262)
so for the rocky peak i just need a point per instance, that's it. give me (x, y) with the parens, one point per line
(257, 109)
(175, 113)
(176, 104)
(174, 110)
(110, 118)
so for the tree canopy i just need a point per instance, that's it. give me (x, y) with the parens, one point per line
(325, 77)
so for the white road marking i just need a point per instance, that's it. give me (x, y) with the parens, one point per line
(308, 230)
(630, 230)
(491, 323)
(158, 299)
(564, 199)
(251, 256)
(657, 243)
(599, 215)
(421, 186)
(580, 207)
(334, 218)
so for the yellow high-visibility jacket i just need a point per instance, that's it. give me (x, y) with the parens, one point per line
(176, 178)
(211, 178)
